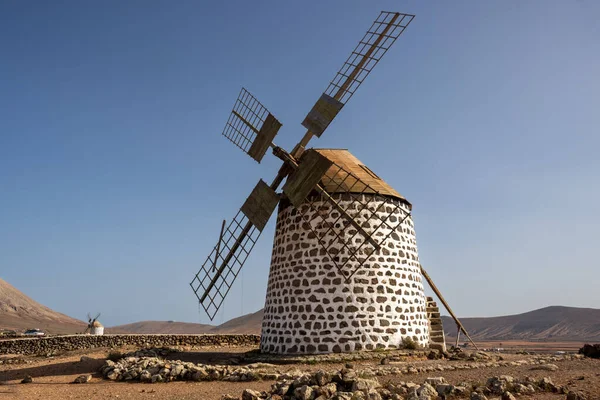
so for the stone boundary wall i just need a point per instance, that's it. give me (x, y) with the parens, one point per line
(31, 346)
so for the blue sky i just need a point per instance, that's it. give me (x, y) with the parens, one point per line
(114, 176)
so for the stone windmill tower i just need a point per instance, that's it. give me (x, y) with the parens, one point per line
(345, 272)
(329, 290)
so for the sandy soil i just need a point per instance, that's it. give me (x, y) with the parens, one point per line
(539, 346)
(52, 377)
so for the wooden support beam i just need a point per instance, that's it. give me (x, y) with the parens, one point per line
(352, 221)
(218, 247)
(439, 295)
(245, 122)
(457, 335)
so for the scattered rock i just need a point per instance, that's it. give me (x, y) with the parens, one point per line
(547, 385)
(364, 385)
(83, 379)
(545, 367)
(427, 390)
(145, 376)
(258, 365)
(521, 389)
(477, 396)
(590, 350)
(303, 393)
(27, 379)
(342, 396)
(460, 390)
(500, 384)
(445, 390)
(414, 396)
(249, 394)
(576, 396)
(322, 378)
(508, 396)
(348, 383)
(438, 380)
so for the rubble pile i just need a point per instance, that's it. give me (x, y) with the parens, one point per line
(345, 384)
(155, 369)
(348, 384)
(149, 366)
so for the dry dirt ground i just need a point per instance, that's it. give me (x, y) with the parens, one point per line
(538, 346)
(52, 377)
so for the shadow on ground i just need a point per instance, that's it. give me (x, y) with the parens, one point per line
(90, 366)
(227, 358)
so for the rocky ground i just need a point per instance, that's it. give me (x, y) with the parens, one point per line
(214, 373)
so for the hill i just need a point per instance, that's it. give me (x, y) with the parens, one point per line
(556, 323)
(249, 323)
(20, 312)
(161, 327)
(549, 323)
(246, 324)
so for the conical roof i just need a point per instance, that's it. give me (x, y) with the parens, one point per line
(97, 324)
(336, 182)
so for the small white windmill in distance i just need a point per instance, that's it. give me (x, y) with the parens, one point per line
(94, 326)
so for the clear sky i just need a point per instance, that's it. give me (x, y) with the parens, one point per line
(114, 176)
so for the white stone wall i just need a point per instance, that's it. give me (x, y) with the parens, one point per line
(310, 308)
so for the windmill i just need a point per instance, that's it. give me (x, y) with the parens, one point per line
(94, 326)
(344, 271)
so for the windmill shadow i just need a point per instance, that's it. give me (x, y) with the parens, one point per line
(227, 358)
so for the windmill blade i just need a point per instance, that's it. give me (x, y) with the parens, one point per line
(251, 127)
(97, 316)
(261, 203)
(89, 317)
(304, 179)
(211, 285)
(369, 51)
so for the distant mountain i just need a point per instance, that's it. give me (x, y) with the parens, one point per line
(549, 323)
(246, 324)
(249, 323)
(161, 327)
(20, 312)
